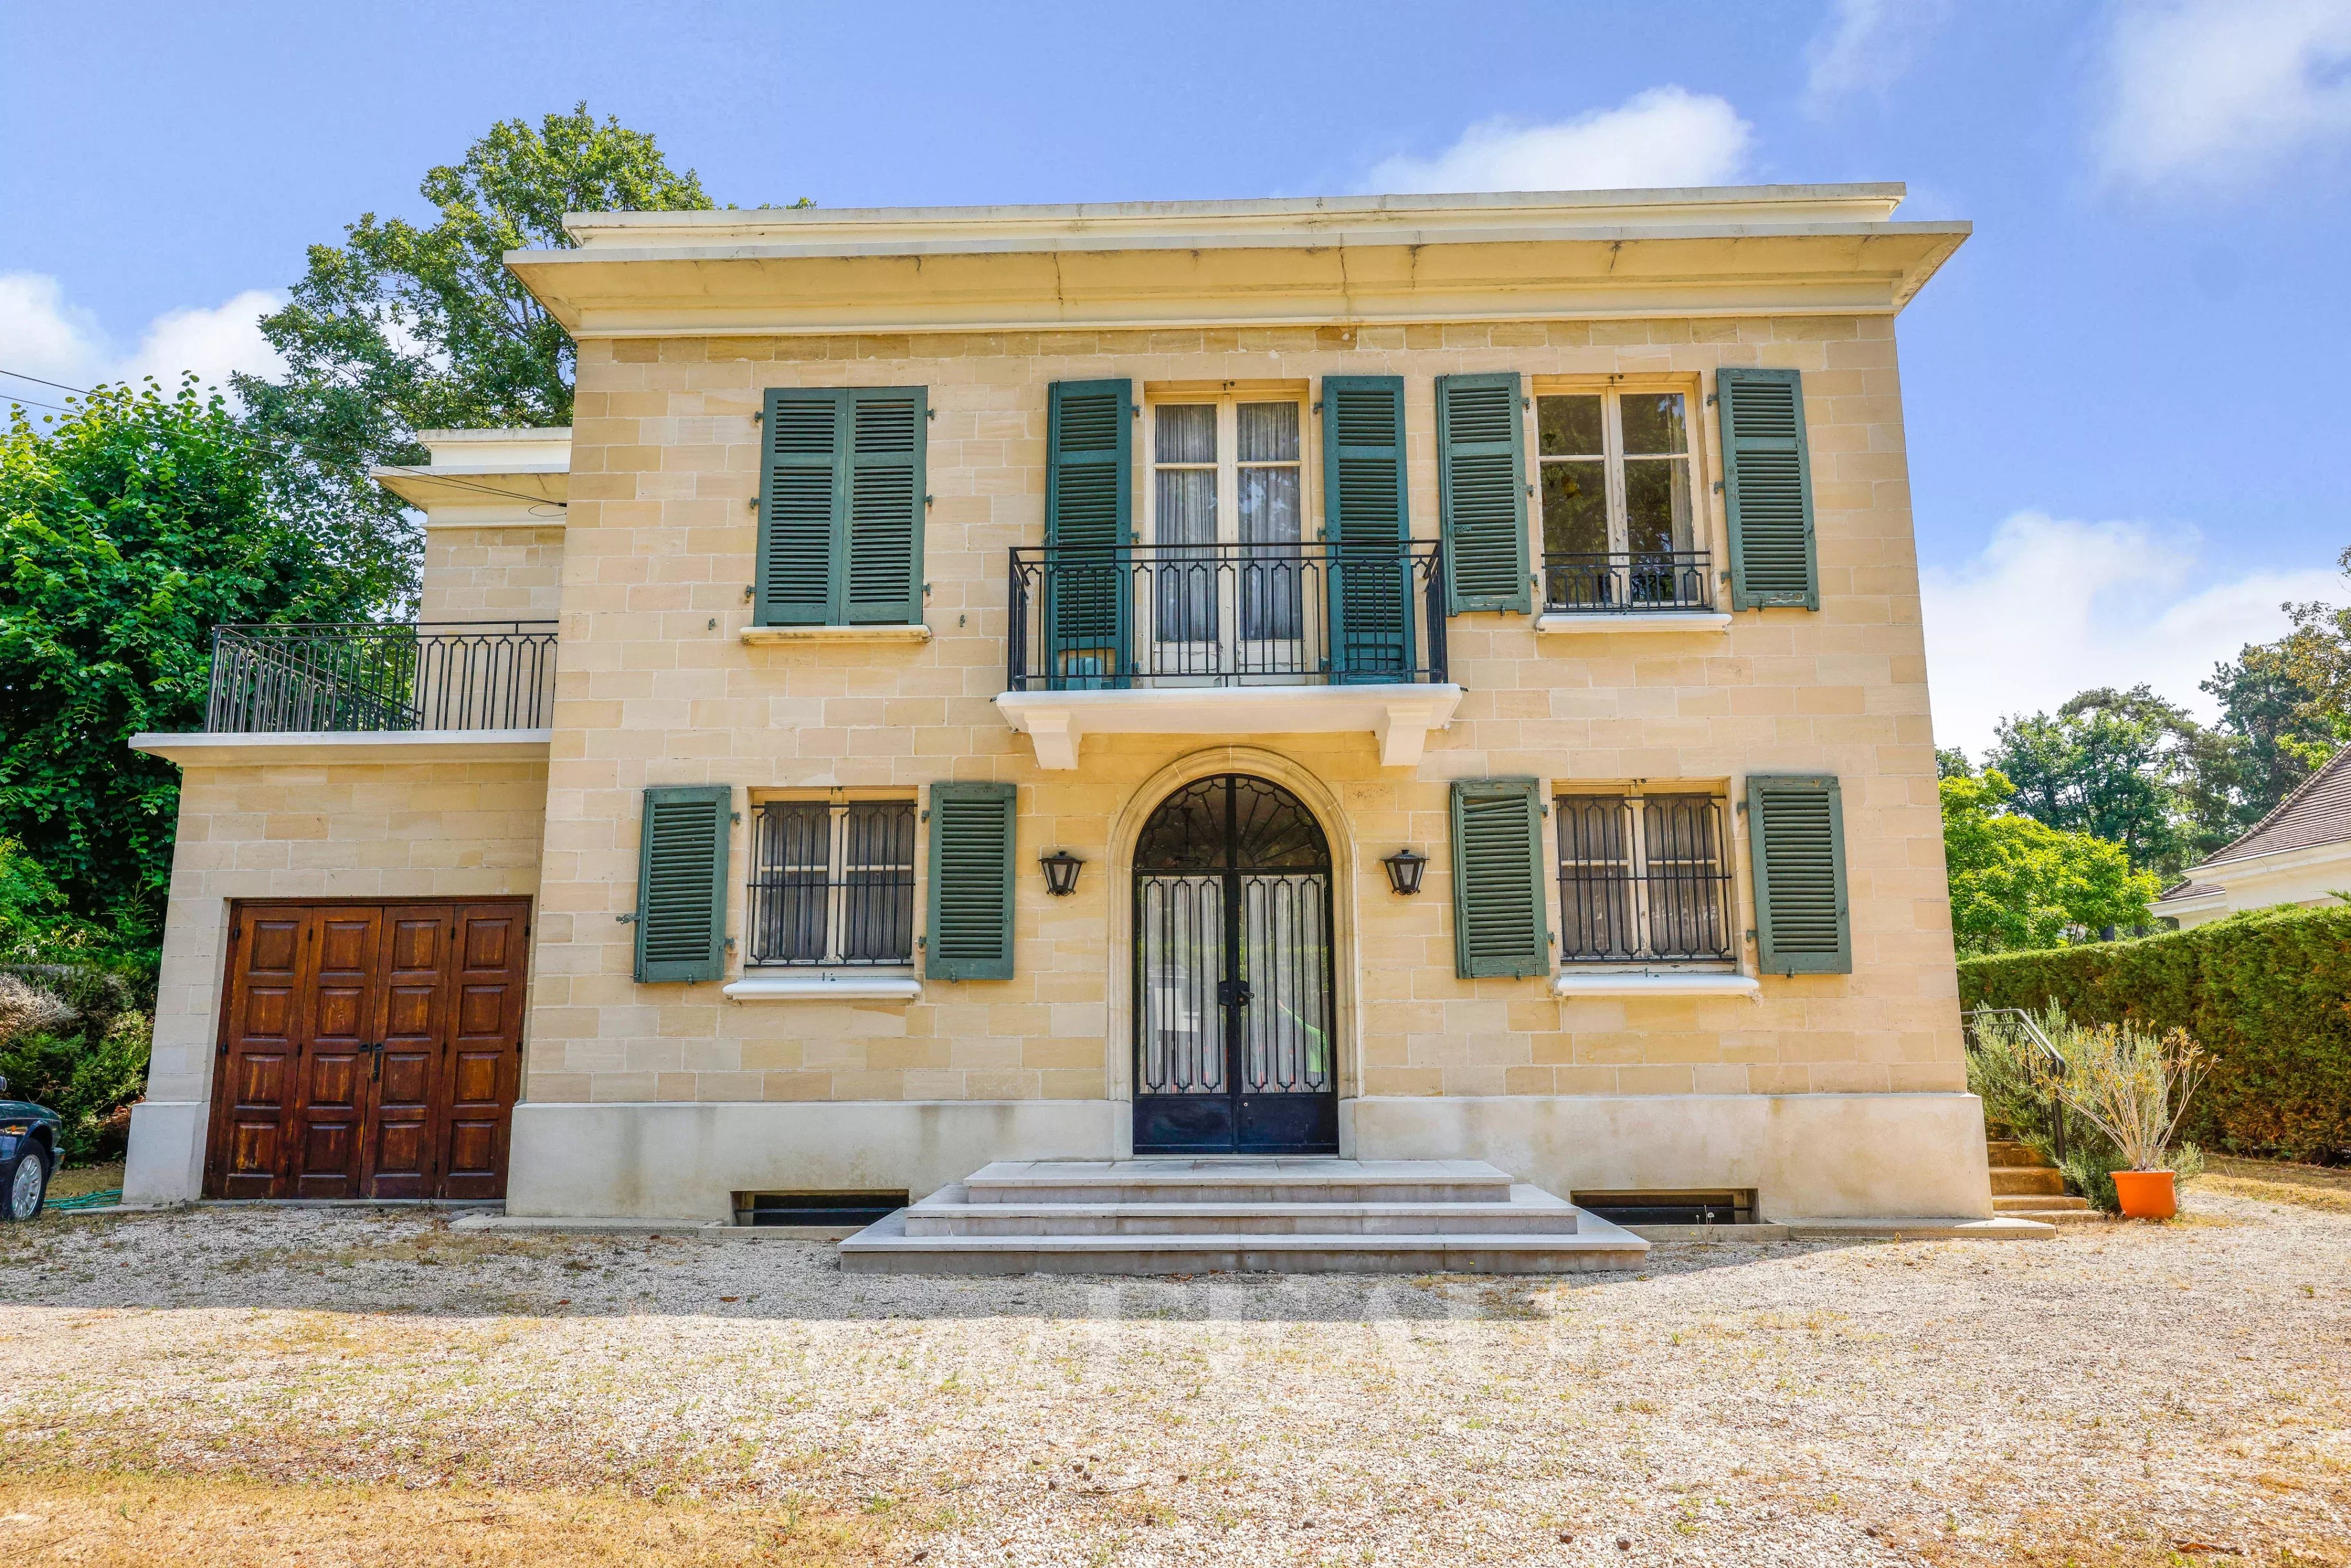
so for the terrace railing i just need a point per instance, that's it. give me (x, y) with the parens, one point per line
(1143, 616)
(373, 676)
(1628, 582)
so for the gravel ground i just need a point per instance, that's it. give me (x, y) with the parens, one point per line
(2121, 1393)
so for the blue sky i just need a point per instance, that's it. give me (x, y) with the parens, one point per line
(2107, 485)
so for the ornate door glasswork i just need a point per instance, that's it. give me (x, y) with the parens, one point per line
(1233, 1050)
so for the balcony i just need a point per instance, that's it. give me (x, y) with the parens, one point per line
(375, 691)
(1635, 591)
(1227, 639)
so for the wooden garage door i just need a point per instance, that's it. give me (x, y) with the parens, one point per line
(369, 1050)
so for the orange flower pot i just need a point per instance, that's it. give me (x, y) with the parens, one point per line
(2147, 1194)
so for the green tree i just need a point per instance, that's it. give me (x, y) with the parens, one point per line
(129, 529)
(2272, 731)
(2018, 882)
(404, 327)
(2110, 764)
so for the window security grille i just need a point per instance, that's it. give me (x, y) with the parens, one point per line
(1644, 877)
(834, 883)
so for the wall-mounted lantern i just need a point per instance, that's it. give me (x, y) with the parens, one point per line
(1404, 871)
(1060, 873)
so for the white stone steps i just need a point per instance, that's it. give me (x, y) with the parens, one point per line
(1202, 1216)
(884, 1248)
(1530, 1211)
(1304, 1180)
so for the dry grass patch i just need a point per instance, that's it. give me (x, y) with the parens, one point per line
(135, 1521)
(2276, 1181)
(75, 1180)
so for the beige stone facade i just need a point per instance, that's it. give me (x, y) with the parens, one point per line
(657, 685)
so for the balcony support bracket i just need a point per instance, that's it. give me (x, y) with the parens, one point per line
(1400, 717)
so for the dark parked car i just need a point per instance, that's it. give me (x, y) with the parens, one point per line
(29, 1152)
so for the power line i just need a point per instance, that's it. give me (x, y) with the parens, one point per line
(47, 382)
(37, 402)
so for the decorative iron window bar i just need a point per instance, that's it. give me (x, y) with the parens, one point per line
(832, 883)
(1644, 878)
(1624, 583)
(1225, 615)
(372, 675)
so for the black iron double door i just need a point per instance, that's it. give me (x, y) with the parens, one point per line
(1234, 1052)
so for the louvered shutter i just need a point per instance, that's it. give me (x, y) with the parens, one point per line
(681, 883)
(1482, 493)
(969, 934)
(1089, 521)
(794, 583)
(889, 432)
(1795, 837)
(1366, 522)
(1498, 926)
(1768, 485)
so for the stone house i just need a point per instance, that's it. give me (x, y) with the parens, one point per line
(2299, 853)
(1406, 677)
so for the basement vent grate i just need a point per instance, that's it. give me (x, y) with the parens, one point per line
(1723, 1207)
(859, 1208)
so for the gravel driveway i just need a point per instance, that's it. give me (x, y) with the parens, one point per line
(2115, 1395)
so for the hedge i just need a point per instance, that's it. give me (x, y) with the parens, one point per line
(2267, 992)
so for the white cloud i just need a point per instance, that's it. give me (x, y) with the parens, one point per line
(2214, 93)
(44, 334)
(2052, 607)
(1866, 46)
(1667, 136)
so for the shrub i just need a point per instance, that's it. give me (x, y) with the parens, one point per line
(2268, 993)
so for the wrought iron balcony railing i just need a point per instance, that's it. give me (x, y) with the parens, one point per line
(277, 680)
(1225, 615)
(1626, 582)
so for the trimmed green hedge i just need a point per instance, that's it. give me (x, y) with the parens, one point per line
(2268, 993)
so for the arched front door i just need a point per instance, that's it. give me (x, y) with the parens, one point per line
(1234, 1049)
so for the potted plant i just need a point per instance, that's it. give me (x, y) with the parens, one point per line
(2134, 1087)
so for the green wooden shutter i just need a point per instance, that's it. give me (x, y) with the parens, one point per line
(889, 434)
(1768, 485)
(1089, 520)
(795, 580)
(681, 883)
(1795, 841)
(969, 932)
(1498, 925)
(1482, 493)
(1366, 520)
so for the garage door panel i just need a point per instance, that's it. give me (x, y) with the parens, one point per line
(369, 1050)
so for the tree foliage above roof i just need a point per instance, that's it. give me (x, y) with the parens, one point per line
(407, 327)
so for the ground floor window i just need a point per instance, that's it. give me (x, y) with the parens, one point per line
(1644, 876)
(832, 883)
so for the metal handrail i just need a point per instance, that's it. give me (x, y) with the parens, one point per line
(375, 676)
(2053, 1062)
(1624, 583)
(1278, 612)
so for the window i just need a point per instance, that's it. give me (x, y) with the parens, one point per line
(1226, 519)
(832, 883)
(1644, 876)
(1618, 509)
(841, 501)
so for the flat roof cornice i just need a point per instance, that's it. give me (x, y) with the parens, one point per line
(1771, 249)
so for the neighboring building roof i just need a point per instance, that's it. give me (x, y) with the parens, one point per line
(2316, 811)
(2183, 889)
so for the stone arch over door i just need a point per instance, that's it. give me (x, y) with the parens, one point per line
(1322, 801)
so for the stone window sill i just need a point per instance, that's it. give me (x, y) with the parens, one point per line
(1707, 622)
(824, 988)
(774, 637)
(1575, 984)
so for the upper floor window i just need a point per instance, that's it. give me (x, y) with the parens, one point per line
(832, 883)
(1225, 517)
(1644, 876)
(1619, 521)
(842, 486)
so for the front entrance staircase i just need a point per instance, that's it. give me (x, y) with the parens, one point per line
(2025, 1185)
(1293, 1216)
